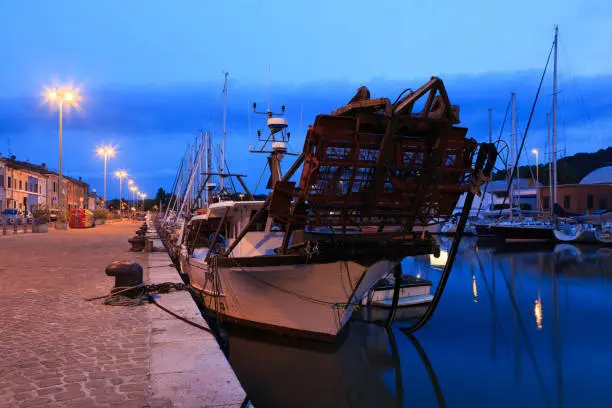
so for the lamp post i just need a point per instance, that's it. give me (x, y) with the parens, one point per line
(61, 96)
(537, 157)
(143, 195)
(106, 152)
(120, 174)
(134, 189)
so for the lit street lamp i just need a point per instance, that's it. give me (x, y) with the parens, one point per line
(143, 196)
(61, 96)
(120, 174)
(133, 189)
(106, 152)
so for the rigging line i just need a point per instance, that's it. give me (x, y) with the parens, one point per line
(231, 178)
(260, 177)
(501, 132)
(518, 156)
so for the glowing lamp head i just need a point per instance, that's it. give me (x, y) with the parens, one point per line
(534, 151)
(106, 151)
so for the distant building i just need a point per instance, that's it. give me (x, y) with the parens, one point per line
(525, 193)
(593, 193)
(22, 185)
(25, 186)
(95, 202)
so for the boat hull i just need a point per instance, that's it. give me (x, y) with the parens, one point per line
(516, 233)
(303, 300)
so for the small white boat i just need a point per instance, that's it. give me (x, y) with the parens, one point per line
(574, 232)
(413, 291)
(604, 233)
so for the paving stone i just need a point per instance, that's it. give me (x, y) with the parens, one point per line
(58, 350)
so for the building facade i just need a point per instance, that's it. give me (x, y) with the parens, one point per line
(22, 186)
(580, 198)
(25, 186)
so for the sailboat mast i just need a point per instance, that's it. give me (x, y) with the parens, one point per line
(512, 154)
(554, 119)
(550, 172)
(222, 182)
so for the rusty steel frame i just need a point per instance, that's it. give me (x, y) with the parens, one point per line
(374, 163)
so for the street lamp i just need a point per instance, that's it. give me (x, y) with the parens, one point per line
(120, 174)
(537, 156)
(143, 196)
(60, 97)
(106, 152)
(133, 189)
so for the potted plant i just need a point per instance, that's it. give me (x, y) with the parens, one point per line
(100, 216)
(41, 219)
(63, 217)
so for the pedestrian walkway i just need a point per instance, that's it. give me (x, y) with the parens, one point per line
(58, 350)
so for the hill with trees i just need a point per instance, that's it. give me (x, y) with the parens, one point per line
(570, 169)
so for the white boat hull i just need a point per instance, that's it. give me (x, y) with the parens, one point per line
(308, 300)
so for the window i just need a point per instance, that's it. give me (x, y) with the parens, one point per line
(2, 180)
(546, 202)
(566, 202)
(54, 187)
(603, 203)
(590, 201)
(20, 186)
(8, 182)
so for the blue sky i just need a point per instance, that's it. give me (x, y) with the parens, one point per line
(151, 72)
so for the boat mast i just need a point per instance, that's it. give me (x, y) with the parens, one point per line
(554, 118)
(550, 173)
(512, 153)
(222, 181)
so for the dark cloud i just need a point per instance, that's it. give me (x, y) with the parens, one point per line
(160, 121)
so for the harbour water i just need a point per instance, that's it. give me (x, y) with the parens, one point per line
(518, 326)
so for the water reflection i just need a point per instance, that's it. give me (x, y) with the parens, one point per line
(365, 371)
(489, 346)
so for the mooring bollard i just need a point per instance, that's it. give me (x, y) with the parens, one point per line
(127, 274)
(137, 243)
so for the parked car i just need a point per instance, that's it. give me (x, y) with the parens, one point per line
(11, 214)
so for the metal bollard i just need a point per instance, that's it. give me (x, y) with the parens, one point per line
(14, 226)
(25, 225)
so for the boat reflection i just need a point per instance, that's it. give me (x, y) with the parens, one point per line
(356, 374)
(537, 336)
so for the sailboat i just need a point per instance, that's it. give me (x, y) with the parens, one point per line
(299, 261)
(526, 228)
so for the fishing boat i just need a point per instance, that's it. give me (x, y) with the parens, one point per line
(298, 262)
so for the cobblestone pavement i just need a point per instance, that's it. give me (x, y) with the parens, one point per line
(57, 350)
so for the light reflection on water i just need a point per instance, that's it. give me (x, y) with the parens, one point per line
(517, 326)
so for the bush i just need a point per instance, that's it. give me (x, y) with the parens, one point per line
(63, 216)
(100, 214)
(41, 214)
